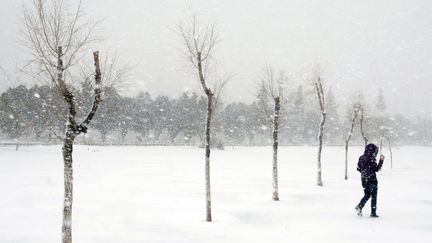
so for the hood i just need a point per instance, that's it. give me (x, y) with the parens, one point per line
(371, 150)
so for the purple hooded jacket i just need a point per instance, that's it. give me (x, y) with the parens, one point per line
(367, 162)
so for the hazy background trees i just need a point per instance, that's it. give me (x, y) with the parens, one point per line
(243, 123)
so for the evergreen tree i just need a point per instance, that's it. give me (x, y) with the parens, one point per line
(333, 131)
(253, 123)
(107, 119)
(380, 123)
(264, 115)
(179, 116)
(195, 126)
(141, 117)
(380, 105)
(234, 116)
(161, 113)
(126, 115)
(296, 118)
(15, 119)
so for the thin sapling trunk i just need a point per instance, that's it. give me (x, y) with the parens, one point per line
(275, 148)
(347, 140)
(320, 94)
(72, 131)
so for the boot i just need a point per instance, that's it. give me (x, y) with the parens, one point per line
(373, 213)
(358, 211)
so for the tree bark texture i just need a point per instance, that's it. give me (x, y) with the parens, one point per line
(209, 94)
(68, 187)
(275, 148)
(320, 94)
(207, 157)
(72, 131)
(320, 140)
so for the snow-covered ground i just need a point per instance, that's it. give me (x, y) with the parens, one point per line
(156, 194)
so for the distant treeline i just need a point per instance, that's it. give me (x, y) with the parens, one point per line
(38, 113)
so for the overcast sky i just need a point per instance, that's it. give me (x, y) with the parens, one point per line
(360, 45)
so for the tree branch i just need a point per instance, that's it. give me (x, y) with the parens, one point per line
(97, 91)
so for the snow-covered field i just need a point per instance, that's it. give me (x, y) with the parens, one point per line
(156, 194)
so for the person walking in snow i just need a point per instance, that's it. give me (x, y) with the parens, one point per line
(367, 166)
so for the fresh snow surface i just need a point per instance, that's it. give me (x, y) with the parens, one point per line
(156, 194)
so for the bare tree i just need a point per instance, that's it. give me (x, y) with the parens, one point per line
(362, 124)
(200, 43)
(386, 133)
(114, 74)
(390, 150)
(274, 88)
(349, 135)
(56, 37)
(381, 142)
(320, 94)
(6, 76)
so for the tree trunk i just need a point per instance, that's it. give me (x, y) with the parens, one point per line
(275, 148)
(361, 128)
(67, 152)
(68, 187)
(207, 156)
(320, 139)
(381, 144)
(391, 154)
(72, 130)
(347, 142)
(103, 136)
(321, 99)
(346, 159)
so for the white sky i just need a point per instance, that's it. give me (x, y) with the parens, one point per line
(360, 45)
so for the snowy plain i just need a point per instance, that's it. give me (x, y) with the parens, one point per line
(156, 194)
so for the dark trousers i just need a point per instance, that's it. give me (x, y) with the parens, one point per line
(370, 187)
